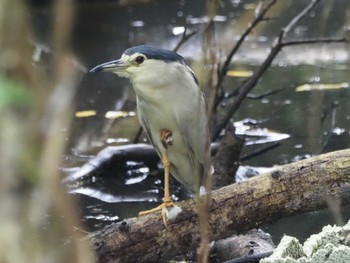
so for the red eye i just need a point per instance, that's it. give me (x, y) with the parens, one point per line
(140, 59)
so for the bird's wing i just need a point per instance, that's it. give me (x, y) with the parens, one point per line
(147, 130)
(196, 137)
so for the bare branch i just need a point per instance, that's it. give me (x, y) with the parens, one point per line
(300, 16)
(245, 88)
(276, 48)
(330, 133)
(260, 16)
(260, 151)
(265, 94)
(314, 41)
(185, 37)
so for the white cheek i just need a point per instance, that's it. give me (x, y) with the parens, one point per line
(122, 74)
(138, 74)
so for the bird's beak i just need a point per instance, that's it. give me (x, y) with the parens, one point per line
(112, 66)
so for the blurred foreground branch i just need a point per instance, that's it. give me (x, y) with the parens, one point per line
(37, 215)
(294, 188)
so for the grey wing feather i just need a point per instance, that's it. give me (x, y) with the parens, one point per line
(147, 130)
(196, 136)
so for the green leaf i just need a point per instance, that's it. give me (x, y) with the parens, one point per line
(13, 93)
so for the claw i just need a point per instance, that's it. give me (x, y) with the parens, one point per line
(164, 207)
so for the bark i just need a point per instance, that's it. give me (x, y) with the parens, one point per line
(290, 189)
(226, 160)
(242, 248)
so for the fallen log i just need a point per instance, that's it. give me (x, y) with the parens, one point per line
(294, 188)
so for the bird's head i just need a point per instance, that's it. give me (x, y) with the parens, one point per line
(141, 61)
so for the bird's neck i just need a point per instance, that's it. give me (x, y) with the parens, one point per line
(150, 93)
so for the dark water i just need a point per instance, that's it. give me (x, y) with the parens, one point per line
(311, 122)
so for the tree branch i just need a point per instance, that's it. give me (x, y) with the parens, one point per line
(294, 188)
(299, 17)
(258, 18)
(314, 41)
(185, 37)
(247, 86)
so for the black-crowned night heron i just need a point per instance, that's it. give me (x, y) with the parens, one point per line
(171, 110)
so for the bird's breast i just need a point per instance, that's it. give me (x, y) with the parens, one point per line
(158, 114)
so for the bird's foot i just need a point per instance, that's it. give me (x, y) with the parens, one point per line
(166, 213)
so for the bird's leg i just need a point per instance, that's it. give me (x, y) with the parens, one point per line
(166, 139)
(166, 165)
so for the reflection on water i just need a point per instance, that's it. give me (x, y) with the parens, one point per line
(112, 198)
(306, 123)
(258, 135)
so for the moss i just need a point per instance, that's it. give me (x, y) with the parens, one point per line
(329, 246)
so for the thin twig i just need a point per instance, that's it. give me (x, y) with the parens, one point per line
(138, 134)
(314, 41)
(330, 134)
(185, 37)
(265, 94)
(298, 17)
(260, 151)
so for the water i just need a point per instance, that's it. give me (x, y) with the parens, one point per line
(311, 121)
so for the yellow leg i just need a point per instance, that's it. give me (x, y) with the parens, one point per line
(166, 164)
(166, 138)
(167, 200)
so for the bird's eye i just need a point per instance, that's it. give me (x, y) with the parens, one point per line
(140, 59)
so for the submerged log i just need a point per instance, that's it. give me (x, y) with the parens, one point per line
(111, 156)
(290, 189)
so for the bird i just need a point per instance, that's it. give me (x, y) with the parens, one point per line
(172, 111)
